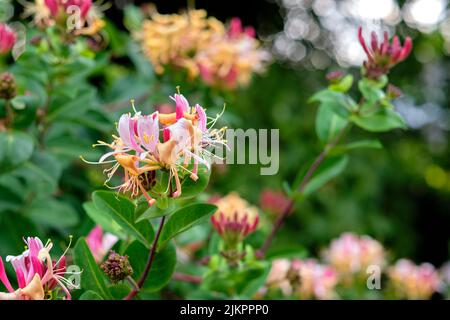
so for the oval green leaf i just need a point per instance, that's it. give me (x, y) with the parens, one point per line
(122, 211)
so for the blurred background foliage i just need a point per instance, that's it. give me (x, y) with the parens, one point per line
(399, 195)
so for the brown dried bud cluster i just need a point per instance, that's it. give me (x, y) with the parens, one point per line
(7, 86)
(117, 267)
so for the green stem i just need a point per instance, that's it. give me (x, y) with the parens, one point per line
(9, 113)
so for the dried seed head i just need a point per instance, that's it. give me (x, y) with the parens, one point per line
(7, 86)
(117, 267)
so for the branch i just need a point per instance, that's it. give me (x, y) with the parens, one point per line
(151, 257)
(187, 278)
(312, 169)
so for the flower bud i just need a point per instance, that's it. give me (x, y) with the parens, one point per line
(334, 76)
(117, 267)
(273, 201)
(7, 86)
(393, 92)
(234, 219)
(7, 38)
(383, 56)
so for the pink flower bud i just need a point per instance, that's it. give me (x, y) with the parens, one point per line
(381, 57)
(235, 219)
(334, 76)
(7, 38)
(273, 201)
(100, 243)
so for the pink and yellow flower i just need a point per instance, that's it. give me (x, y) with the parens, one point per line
(306, 279)
(381, 57)
(203, 46)
(414, 282)
(231, 58)
(84, 14)
(37, 274)
(141, 150)
(100, 243)
(174, 39)
(352, 254)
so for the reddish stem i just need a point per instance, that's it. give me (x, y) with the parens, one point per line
(151, 257)
(280, 220)
(187, 278)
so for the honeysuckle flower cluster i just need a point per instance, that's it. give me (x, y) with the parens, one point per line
(231, 58)
(352, 254)
(306, 279)
(411, 281)
(7, 38)
(175, 39)
(100, 243)
(203, 46)
(234, 219)
(38, 276)
(382, 56)
(141, 148)
(81, 17)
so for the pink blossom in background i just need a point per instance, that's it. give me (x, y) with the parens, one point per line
(7, 38)
(100, 243)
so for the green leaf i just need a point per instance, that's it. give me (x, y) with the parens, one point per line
(15, 148)
(328, 123)
(184, 219)
(338, 102)
(256, 280)
(191, 188)
(104, 220)
(237, 281)
(121, 210)
(41, 173)
(381, 121)
(370, 91)
(133, 17)
(145, 213)
(90, 295)
(343, 85)
(11, 193)
(162, 268)
(69, 108)
(329, 169)
(120, 290)
(92, 277)
(52, 213)
(371, 144)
